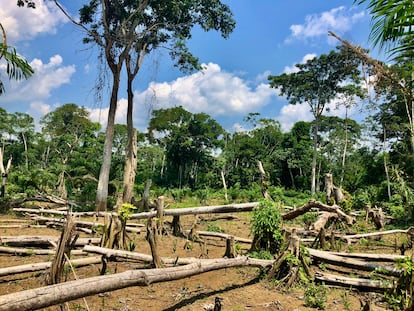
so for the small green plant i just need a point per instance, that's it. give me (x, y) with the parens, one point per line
(315, 296)
(261, 254)
(345, 299)
(214, 228)
(126, 211)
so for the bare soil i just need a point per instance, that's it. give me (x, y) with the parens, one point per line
(239, 288)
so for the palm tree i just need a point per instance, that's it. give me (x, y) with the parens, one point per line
(393, 27)
(17, 68)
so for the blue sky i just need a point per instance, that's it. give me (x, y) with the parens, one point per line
(270, 38)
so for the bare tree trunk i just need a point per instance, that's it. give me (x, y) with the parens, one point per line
(345, 148)
(102, 191)
(223, 179)
(130, 166)
(263, 179)
(4, 173)
(314, 157)
(387, 175)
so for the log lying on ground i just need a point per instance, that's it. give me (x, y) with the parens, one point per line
(57, 212)
(353, 282)
(40, 266)
(41, 240)
(148, 258)
(351, 238)
(222, 236)
(54, 294)
(371, 257)
(78, 223)
(353, 263)
(31, 251)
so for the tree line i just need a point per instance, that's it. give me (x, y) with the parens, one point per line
(185, 150)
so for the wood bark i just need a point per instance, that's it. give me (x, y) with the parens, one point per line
(322, 219)
(352, 263)
(55, 294)
(31, 251)
(40, 240)
(263, 180)
(352, 282)
(46, 265)
(4, 170)
(323, 207)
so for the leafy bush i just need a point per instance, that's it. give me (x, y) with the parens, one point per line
(266, 227)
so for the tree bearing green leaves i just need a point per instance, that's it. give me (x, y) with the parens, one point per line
(318, 82)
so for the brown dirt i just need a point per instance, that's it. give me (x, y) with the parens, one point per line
(239, 288)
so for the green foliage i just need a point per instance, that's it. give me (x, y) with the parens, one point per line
(214, 228)
(315, 296)
(125, 211)
(261, 254)
(265, 226)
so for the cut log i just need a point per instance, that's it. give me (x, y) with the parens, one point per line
(366, 284)
(353, 263)
(33, 267)
(55, 294)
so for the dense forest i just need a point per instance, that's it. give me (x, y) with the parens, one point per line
(191, 154)
(182, 153)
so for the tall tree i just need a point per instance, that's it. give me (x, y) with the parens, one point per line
(122, 27)
(66, 127)
(189, 141)
(318, 82)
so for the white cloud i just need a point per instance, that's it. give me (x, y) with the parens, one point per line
(212, 91)
(338, 19)
(101, 114)
(290, 114)
(293, 68)
(25, 23)
(47, 77)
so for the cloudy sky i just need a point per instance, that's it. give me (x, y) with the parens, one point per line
(270, 38)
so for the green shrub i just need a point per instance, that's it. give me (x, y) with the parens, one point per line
(266, 227)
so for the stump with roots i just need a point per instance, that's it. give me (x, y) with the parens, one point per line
(290, 264)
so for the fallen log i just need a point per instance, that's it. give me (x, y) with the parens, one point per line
(41, 240)
(224, 236)
(353, 263)
(361, 283)
(31, 251)
(113, 253)
(33, 267)
(55, 294)
(350, 238)
(322, 219)
(323, 207)
(219, 209)
(371, 257)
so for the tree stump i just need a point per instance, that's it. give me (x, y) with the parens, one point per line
(288, 264)
(230, 250)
